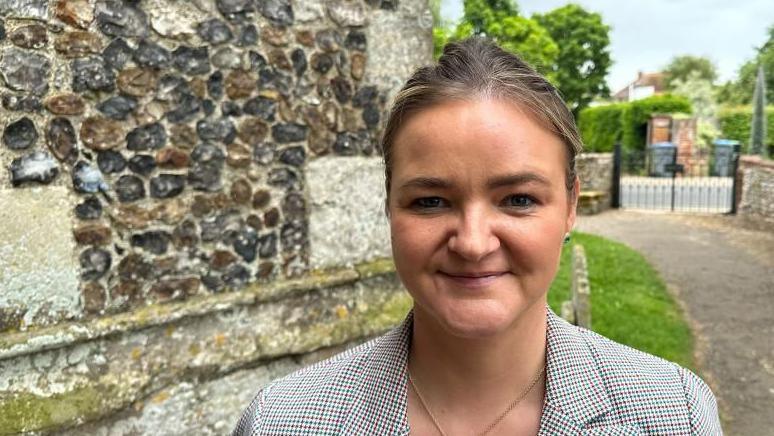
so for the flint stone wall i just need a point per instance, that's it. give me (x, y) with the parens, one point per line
(756, 205)
(595, 171)
(192, 201)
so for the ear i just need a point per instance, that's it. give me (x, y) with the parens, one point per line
(387, 207)
(573, 205)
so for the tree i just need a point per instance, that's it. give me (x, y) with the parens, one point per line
(758, 131)
(729, 93)
(741, 90)
(479, 14)
(441, 29)
(701, 93)
(584, 59)
(498, 20)
(522, 36)
(682, 66)
(568, 45)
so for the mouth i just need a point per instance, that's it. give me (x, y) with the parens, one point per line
(472, 279)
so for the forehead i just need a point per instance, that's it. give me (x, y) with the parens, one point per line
(478, 137)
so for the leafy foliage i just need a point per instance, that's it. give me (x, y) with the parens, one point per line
(513, 33)
(682, 68)
(480, 14)
(440, 38)
(601, 126)
(740, 92)
(527, 38)
(701, 93)
(584, 58)
(736, 123)
(441, 29)
(435, 9)
(568, 45)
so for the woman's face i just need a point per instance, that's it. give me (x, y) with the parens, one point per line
(478, 211)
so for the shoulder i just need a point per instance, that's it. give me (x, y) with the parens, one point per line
(317, 398)
(702, 405)
(634, 378)
(330, 375)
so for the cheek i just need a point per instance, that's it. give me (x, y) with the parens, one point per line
(413, 242)
(537, 243)
(402, 238)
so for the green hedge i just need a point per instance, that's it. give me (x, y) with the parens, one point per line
(600, 126)
(735, 123)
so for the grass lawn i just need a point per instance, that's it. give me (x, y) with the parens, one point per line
(629, 301)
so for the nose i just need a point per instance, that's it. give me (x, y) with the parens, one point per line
(473, 237)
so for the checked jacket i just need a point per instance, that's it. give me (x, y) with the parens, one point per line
(594, 386)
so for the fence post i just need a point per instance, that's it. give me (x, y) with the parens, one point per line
(581, 289)
(737, 177)
(674, 175)
(615, 194)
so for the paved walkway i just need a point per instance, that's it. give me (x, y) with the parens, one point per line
(724, 278)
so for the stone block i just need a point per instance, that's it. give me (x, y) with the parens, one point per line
(38, 268)
(347, 223)
(398, 43)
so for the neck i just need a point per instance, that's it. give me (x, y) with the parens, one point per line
(458, 373)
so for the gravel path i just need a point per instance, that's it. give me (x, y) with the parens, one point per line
(723, 276)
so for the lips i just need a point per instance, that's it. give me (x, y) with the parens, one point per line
(473, 279)
(473, 275)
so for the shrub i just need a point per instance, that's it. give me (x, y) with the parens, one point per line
(735, 123)
(601, 126)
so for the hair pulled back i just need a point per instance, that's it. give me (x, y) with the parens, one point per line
(476, 68)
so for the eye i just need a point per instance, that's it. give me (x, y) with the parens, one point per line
(428, 203)
(519, 201)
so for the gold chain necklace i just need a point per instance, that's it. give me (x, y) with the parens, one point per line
(496, 421)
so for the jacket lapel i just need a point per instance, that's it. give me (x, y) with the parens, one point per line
(575, 392)
(380, 398)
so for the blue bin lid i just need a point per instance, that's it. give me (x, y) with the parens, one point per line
(729, 142)
(662, 145)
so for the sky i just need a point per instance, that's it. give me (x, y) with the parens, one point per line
(646, 34)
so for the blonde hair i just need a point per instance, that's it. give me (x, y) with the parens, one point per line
(477, 68)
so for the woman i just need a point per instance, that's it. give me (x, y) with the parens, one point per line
(479, 157)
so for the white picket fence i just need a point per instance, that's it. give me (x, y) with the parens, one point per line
(692, 194)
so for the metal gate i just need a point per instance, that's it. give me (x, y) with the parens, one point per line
(660, 179)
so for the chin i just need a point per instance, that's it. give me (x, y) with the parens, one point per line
(480, 318)
(476, 319)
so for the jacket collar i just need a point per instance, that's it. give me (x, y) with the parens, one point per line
(380, 403)
(575, 392)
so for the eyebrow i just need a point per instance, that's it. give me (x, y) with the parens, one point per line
(493, 183)
(427, 183)
(517, 179)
